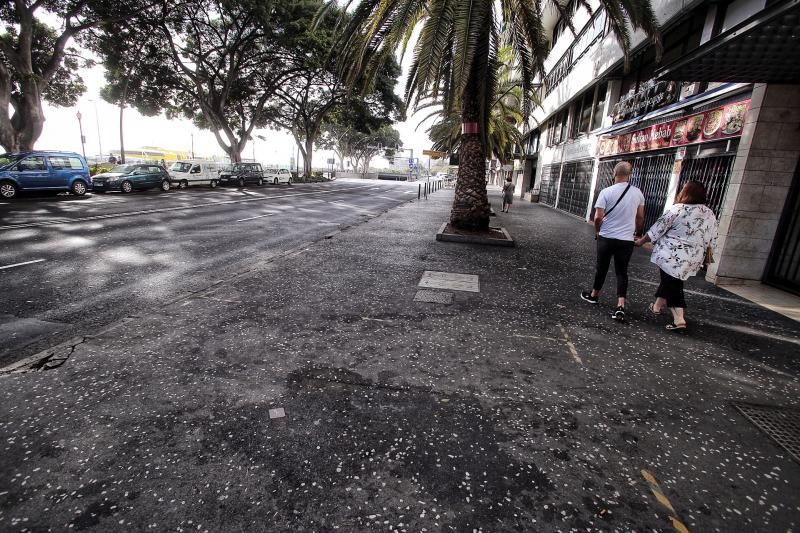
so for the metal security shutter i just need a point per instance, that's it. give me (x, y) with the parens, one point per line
(576, 181)
(651, 174)
(783, 269)
(714, 173)
(547, 189)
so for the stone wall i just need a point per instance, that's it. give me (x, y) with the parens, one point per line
(762, 175)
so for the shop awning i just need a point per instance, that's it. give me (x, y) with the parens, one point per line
(762, 49)
(633, 123)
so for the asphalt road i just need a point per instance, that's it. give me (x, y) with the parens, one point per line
(69, 265)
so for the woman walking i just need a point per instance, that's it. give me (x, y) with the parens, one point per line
(508, 194)
(684, 238)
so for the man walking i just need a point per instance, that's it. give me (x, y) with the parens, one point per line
(618, 217)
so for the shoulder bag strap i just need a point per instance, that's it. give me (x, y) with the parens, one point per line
(621, 196)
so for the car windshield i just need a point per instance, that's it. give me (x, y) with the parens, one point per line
(6, 160)
(123, 169)
(181, 167)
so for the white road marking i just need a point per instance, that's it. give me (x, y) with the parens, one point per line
(21, 264)
(572, 349)
(166, 209)
(253, 218)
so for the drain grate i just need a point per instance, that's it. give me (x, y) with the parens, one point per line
(781, 424)
(434, 297)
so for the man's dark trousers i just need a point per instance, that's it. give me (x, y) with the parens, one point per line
(621, 251)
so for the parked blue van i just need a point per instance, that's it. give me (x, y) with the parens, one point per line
(43, 171)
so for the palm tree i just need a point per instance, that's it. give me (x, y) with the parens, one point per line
(503, 138)
(456, 62)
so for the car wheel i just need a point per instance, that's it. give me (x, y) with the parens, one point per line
(184, 184)
(165, 185)
(289, 181)
(126, 186)
(8, 189)
(213, 184)
(78, 187)
(241, 182)
(260, 182)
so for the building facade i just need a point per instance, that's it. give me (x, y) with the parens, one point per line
(721, 106)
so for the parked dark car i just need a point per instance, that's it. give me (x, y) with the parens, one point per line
(127, 178)
(240, 174)
(43, 171)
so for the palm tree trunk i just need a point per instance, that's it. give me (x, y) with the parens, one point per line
(471, 204)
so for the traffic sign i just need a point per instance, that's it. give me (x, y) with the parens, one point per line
(433, 154)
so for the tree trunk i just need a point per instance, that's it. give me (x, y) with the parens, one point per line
(20, 132)
(308, 155)
(471, 204)
(121, 137)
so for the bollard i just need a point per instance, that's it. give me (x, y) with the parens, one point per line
(419, 191)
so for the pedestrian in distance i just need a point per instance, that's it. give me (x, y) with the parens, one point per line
(618, 219)
(508, 194)
(163, 164)
(684, 238)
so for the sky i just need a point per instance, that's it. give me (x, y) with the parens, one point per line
(101, 129)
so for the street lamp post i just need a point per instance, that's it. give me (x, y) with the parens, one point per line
(192, 136)
(97, 122)
(83, 139)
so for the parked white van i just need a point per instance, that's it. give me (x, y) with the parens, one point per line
(276, 176)
(194, 172)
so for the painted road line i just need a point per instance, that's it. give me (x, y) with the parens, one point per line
(21, 264)
(253, 218)
(167, 209)
(538, 338)
(572, 350)
(655, 488)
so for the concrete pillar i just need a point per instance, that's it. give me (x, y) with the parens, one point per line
(762, 174)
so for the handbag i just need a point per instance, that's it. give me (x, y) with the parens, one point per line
(709, 256)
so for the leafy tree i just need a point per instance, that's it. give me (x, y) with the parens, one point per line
(215, 62)
(303, 106)
(37, 63)
(365, 146)
(456, 62)
(137, 69)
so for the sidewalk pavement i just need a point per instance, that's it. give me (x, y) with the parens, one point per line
(518, 407)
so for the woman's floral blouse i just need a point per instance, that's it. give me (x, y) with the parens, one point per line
(681, 237)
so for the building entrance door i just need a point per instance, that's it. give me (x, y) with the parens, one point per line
(783, 269)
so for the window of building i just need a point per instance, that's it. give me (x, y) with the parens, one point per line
(599, 106)
(585, 114)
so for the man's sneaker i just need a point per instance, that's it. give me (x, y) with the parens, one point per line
(586, 296)
(619, 314)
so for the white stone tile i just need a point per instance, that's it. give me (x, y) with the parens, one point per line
(450, 281)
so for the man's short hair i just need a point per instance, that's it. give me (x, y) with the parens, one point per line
(623, 169)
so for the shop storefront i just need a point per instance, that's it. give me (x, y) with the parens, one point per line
(701, 146)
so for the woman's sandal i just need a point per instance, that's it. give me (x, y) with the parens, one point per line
(652, 310)
(672, 326)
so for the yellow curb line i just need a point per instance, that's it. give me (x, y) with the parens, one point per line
(663, 500)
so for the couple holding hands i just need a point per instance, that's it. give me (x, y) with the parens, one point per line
(682, 241)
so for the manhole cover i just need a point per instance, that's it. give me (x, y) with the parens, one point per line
(781, 424)
(434, 297)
